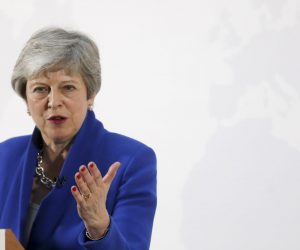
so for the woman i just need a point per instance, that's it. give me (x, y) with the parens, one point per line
(63, 187)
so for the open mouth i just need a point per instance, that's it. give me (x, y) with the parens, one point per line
(56, 119)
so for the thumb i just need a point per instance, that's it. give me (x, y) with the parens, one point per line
(108, 178)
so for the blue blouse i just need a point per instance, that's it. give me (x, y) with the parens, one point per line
(131, 200)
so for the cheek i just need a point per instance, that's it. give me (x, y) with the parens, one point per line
(79, 111)
(79, 105)
(36, 108)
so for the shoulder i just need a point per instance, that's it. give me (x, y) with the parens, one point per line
(14, 145)
(121, 140)
(125, 144)
(136, 158)
(104, 140)
(12, 151)
(16, 141)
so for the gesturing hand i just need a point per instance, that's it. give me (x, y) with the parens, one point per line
(90, 195)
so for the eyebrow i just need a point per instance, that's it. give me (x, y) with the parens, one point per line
(63, 81)
(32, 82)
(72, 80)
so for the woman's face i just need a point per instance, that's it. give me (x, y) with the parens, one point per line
(58, 104)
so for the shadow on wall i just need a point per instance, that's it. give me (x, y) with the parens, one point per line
(244, 194)
(270, 56)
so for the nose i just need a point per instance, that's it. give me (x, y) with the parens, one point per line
(54, 99)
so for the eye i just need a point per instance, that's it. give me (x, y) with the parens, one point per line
(69, 87)
(40, 89)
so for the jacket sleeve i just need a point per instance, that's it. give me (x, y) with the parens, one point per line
(133, 214)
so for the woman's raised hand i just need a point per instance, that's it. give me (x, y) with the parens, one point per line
(90, 195)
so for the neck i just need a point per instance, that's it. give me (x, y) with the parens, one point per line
(54, 152)
(54, 156)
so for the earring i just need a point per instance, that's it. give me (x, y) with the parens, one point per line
(28, 112)
(90, 107)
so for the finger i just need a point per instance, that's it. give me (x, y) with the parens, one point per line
(82, 187)
(95, 172)
(88, 179)
(77, 196)
(108, 178)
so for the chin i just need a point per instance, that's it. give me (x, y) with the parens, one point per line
(61, 139)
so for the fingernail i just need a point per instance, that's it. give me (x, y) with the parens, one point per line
(91, 165)
(82, 169)
(74, 189)
(78, 176)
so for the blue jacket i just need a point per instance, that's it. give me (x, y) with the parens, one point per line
(131, 200)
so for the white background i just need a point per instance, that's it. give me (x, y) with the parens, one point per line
(213, 86)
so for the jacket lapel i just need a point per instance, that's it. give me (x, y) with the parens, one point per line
(59, 203)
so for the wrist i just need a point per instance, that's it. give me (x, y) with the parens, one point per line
(96, 236)
(98, 232)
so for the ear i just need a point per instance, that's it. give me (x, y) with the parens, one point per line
(91, 100)
(91, 103)
(28, 112)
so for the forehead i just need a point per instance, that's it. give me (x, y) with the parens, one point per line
(61, 74)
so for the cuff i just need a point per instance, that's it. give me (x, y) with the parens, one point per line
(112, 240)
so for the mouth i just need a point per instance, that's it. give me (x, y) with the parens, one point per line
(56, 119)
